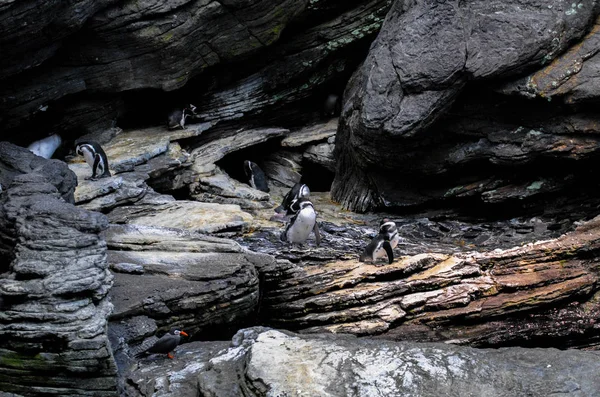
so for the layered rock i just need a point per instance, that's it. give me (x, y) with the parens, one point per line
(391, 150)
(264, 362)
(53, 285)
(112, 49)
(571, 77)
(439, 291)
(205, 285)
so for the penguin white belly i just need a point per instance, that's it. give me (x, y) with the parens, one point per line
(89, 157)
(46, 147)
(304, 224)
(379, 253)
(394, 241)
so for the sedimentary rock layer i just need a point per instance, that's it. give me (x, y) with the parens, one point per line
(53, 285)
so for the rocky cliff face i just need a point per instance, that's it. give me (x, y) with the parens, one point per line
(54, 283)
(476, 116)
(424, 122)
(122, 57)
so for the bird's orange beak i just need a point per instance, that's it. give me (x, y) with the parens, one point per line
(183, 333)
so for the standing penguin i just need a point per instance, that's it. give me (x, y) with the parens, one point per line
(297, 192)
(256, 177)
(383, 244)
(177, 117)
(165, 345)
(299, 227)
(95, 157)
(46, 147)
(331, 106)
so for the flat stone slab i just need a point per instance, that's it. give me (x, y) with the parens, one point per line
(314, 133)
(149, 238)
(107, 193)
(188, 215)
(223, 185)
(134, 147)
(207, 155)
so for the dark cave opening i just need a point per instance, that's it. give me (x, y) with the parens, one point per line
(317, 177)
(233, 163)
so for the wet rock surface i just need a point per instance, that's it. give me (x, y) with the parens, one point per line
(263, 362)
(54, 281)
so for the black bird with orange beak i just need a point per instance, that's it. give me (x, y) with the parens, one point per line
(165, 345)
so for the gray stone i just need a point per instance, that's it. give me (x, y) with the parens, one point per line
(275, 363)
(188, 215)
(205, 156)
(107, 63)
(283, 166)
(199, 283)
(311, 134)
(17, 161)
(220, 188)
(571, 78)
(53, 287)
(321, 154)
(129, 268)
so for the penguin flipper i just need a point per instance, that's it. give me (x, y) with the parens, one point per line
(317, 234)
(283, 236)
(390, 253)
(97, 160)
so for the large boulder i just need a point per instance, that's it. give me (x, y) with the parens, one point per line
(391, 151)
(263, 362)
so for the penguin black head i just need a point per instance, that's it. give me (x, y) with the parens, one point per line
(256, 177)
(248, 165)
(298, 191)
(191, 109)
(387, 226)
(301, 204)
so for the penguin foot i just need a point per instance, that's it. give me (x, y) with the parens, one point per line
(170, 356)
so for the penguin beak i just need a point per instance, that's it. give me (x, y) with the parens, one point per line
(183, 333)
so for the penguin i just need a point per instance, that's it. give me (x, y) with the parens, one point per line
(256, 177)
(165, 345)
(95, 157)
(177, 117)
(383, 244)
(299, 227)
(298, 191)
(331, 106)
(46, 147)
